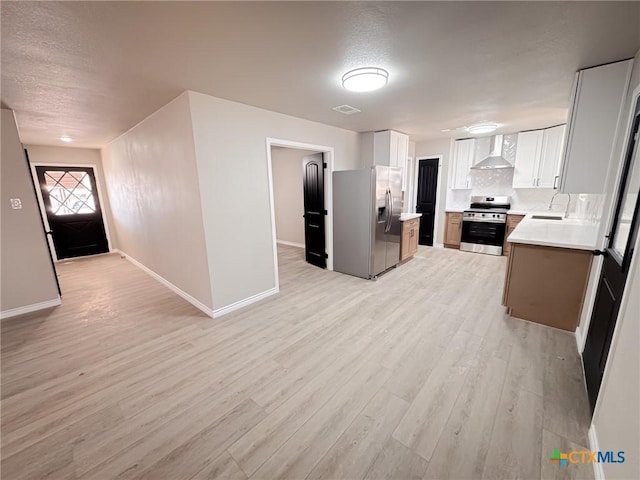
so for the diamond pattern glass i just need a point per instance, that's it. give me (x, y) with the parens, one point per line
(70, 192)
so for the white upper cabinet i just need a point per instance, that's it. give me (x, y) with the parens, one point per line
(463, 158)
(528, 154)
(391, 149)
(538, 157)
(595, 108)
(549, 169)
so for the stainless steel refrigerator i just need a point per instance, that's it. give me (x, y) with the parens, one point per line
(366, 220)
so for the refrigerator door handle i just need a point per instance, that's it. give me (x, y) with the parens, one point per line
(386, 210)
(389, 211)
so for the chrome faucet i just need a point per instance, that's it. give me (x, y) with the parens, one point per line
(566, 210)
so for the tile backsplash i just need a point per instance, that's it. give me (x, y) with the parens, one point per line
(498, 182)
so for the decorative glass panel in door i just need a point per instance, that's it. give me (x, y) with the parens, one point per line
(73, 210)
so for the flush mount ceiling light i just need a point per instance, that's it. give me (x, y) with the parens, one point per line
(66, 138)
(482, 128)
(365, 79)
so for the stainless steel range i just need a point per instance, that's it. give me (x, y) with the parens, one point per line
(484, 224)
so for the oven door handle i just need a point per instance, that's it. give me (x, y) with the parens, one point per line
(485, 220)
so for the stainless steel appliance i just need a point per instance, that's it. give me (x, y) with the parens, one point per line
(495, 160)
(484, 224)
(366, 220)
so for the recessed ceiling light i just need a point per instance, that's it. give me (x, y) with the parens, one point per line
(446, 130)
(365, 79)
(66, 138)
(483, 128)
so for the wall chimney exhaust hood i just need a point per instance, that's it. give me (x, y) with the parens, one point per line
(495, 160)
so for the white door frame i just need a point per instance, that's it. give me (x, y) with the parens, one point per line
(43, 211)
(328, 195)
(438, 214)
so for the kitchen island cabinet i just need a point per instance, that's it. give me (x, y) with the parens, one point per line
(548, 271)
(547, 285)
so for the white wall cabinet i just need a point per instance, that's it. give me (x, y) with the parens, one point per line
(551, 159)
(595, 108)
(538, 158)
(528, 154)
(391, 149)
(463, 158)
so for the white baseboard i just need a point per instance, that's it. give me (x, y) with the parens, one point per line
(438, 245)
(14, 312)
(243, 303)
(291, 244)
(579, 340)
(193, 301)
(598, 471)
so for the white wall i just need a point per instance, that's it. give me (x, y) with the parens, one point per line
(152, 182)
(78, 156)
(288, 193)
(616, 419)
(26, 276)
(231, 153)
(435, 148)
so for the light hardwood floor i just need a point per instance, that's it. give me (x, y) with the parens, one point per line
(417, 375)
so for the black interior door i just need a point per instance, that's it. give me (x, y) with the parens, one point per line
(314, 212)
(73, 210)
(426, 199)
(615, 268)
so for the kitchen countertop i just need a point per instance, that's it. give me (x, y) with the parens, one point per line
(565, 233)
(455, 210)
(409, 216)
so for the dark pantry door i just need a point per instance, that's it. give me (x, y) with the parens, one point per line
(615, 268)
(426, 199)
(314, 212)
(73, 210)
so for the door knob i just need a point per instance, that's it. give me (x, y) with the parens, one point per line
(604, 253)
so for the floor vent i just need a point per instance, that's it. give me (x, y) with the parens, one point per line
(346, 109)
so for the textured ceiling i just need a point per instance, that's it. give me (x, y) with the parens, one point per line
(93, 70)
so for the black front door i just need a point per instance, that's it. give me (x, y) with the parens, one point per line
(73, 210)
(426, 199)
(314, 212)
(615, 268)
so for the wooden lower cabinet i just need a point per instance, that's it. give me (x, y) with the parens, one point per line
(409, 238)
(512, 223)
(453, 230)
(547, 285)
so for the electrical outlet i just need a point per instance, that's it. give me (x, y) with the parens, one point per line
(16, 203)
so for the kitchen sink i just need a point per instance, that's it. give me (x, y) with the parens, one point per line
(546, 217)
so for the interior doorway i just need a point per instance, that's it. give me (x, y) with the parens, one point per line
(71, 210)
(426, 198)
(301, 200)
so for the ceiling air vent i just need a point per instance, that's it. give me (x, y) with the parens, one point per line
(346, 109)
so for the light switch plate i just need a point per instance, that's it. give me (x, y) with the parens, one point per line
(16, 203)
